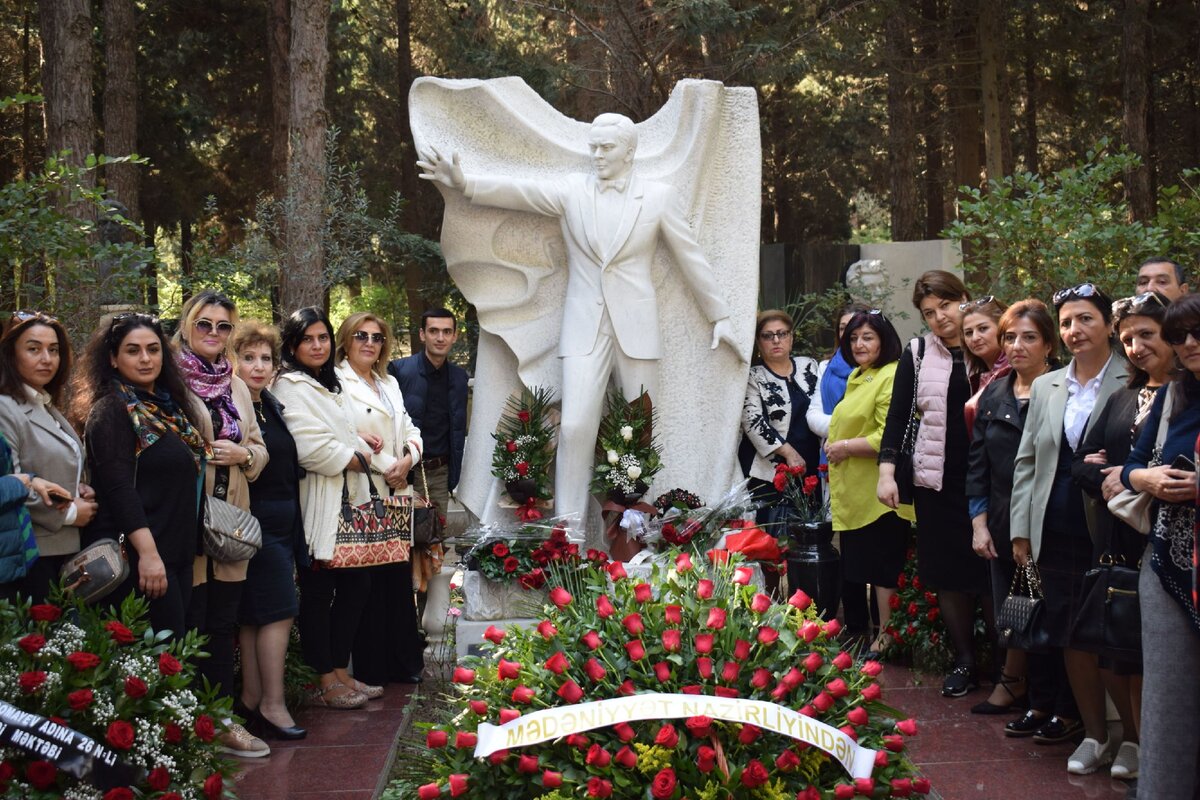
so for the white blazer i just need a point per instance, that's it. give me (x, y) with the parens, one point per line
(386, 419)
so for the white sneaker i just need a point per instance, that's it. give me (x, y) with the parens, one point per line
(1090, 756)
(1125, 765)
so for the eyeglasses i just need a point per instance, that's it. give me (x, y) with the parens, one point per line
(971, 305)
(1075, 293)
(223, 328)
(364, 336)
(1175, 338)
(20, 317)
(774, 336)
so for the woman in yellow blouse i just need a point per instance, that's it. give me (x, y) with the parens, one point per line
(874, 538)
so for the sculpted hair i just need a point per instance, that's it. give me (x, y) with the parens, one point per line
(11, 383)
(192, 311)
(626, 130)
(292, 333)
(938, 283)
(345, 335)
(890, 347)
(96, 378)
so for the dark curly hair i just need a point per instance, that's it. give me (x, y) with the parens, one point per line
(11, 383)
(292, 333)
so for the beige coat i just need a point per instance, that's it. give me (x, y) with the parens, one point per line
(373, 415)
(239, 478)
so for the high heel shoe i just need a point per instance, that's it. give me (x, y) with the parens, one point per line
(273, 731)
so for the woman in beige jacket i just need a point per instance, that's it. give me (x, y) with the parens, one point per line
(225, 413)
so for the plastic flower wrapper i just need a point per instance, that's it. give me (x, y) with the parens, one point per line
(522, 552)
(691, 630)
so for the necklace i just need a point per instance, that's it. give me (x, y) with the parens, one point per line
(258, 412)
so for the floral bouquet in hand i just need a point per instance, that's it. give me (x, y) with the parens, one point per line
(627, 455)
(124, 716)
(524, 449)
(694, 642)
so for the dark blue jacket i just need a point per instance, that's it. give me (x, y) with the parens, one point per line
(12, 527)
(411, 373)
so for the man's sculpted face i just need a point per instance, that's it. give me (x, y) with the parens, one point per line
(611, 155)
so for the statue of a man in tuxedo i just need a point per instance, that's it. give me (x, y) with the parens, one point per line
(612, 223)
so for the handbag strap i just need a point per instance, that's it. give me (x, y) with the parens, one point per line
(1160, 436)
(425, 483)
(375, 499)
(909, 442)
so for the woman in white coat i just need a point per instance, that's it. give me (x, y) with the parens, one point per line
(388, 646)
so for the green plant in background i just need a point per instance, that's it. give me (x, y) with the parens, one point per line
(814, 316)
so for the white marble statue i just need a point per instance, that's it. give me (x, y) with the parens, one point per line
(637, 280)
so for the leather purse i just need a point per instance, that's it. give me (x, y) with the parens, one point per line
(373, 533)
(97, 570)
(904, 459)
(428, 524)
(230, 533)
(1132, 508)
(1109, 621)
(1019, 618)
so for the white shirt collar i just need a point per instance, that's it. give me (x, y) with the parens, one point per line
(36, 396)
(1073, 384)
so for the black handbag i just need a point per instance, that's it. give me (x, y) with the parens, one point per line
(427, 521)
(904, 460)
(1019, 618)
(1110, 618)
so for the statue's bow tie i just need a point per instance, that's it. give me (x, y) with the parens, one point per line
(617, 184)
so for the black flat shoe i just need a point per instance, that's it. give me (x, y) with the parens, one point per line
(1057, 730)
(411, 679)
(960, 681)
(1015, 703)
(273, 731)
(1027, 725)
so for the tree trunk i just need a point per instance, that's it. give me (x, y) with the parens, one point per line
(1029, 69)
(964, 95)
(932, 124)
(1135, 75)
(302, 282)
(28, 160)
(185, 258)
(902, 130)
(277, 58)
(991, 69)
(120, 102)
(151, 268)
(421, 198)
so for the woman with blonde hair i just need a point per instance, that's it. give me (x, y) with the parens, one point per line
(388, 645)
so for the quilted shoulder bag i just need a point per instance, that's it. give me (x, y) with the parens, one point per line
(230, 533)
(427, 518)
(904, 460)
(1019, 618)
(376, 532)
(96, 570)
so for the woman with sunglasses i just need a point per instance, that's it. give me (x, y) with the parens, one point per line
(227, 421)
(986, 359)
(938, 393)
(35, 362)
(146, 458)
(1137, 322)
(1049, 523)
(1170, 739)
(322, 422)
(388, 646)
(1029, 340)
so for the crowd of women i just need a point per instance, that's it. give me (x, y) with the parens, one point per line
(1004, 459)
(165, 424)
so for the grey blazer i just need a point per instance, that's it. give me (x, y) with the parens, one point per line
(1037, 455)
(41, 439)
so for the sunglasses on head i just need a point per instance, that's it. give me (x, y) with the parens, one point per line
(20, 317)
(1132, 305)
(971, 305)
(364, 336)
(1076, 293)
(223, 328)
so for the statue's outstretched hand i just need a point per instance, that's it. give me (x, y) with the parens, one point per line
(723, 332)
(436, 168)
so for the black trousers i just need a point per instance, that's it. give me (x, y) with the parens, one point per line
(213, 611)
(169, 612)
(331, 607)
(388, 646)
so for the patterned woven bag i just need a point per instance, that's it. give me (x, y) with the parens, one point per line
(376, 532)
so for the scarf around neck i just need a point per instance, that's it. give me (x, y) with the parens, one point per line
(154, 414)
(213, 383)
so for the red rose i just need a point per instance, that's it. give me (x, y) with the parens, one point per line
(625, 731)
(662, 671)
(560, 597)
(761, 678)
(893, 742)
(749, 734)
(597, 756)
(857, 716)
(551, 779)
(642, 593)
(626, 689)
(833, 628)
(849, 731)
(822, 702)
(159, 779)
(810, 631)
(871, 692)
(843, 791)
(755, 774)
(508, 670)
(894, 602)
(522, 468)
(169, 665)
(792, 678)
(494, 634)
(119, 633)
(465, 740)
(436, 740)
(704, 589)
(706, 757)
(604, 607)
(479, 707)
(760, 603)
(510, 564)
(812, 662)
(704, 666)
(626, 758)
(716, 619)
(704, 642)
(570, 692)
(663, 785)
(729, 672)
(872, 668)
(119, 793)
(592, 640)
(673, 614)
(171, 796)
(32, 643)
(510, 446)
(683, 563)
(172, 733)
(534, 579)
(464, 676)
(742, 575)
(700, 727)
(44, 612)
(135, 687)
(864, 786)
(881, 759)
(594, 670)
(921, 785)
(907, 726)
(500, 549)
(598, 787)
(635, 649)
(31, 681)
(767, 635)
(546, 629)
(800, 600)
(616, 570)
(837, 688)
(204, 728)
(933, 614)
(508, 715)
(667, 736)
(787, 761)
(528, 764)
(523, 415)
(741, 649)
(429, 791)
(901, 787)
(458, 784)
(842, 661)
(119, 734)
(80, 699)
(557, 663)
(83, 661)
(633, 624)
(578, 741)
(41, 774)
(672, 640)
(497, 758)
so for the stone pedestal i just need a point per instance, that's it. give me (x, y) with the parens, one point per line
(435, 619)
(486, 600)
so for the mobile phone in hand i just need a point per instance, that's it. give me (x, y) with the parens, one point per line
(1184, 463)
(59, 497)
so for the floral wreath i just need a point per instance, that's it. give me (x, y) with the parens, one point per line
(524, 449)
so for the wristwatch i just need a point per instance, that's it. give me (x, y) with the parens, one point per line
(249, 464)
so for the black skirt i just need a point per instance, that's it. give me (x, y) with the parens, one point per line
(874, 553)
(269, 594)
(945, 559)
(1062, 562)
